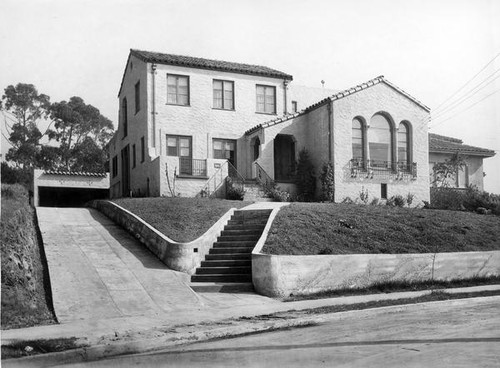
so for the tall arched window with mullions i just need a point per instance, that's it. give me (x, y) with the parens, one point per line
(380, 142)
(404, 144)
(358, 154)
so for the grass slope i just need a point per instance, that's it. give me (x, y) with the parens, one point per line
(181, 219)
(25, 283)
(318, 228)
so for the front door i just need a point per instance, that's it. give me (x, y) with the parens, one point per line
(284, 158)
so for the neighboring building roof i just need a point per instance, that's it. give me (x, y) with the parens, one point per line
(199, 63)
(338, 96)
(75, 173)
(442, 144)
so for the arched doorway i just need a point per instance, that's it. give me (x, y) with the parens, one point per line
(284, 158)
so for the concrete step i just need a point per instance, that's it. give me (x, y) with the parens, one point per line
(229, 257)
(254, 227)
(222, 287)
(252, 213)
(247, 222)
(238, 238)
(235, 244)
(221, 278)
(242, 231)
(223, 270)
(228, 263)
(231, 250)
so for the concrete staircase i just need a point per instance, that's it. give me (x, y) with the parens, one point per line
(228, 265)
(254, 192)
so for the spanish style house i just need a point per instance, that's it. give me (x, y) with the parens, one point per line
(187, 124)
(441, 148)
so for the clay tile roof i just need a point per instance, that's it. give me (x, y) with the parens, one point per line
(195, 62)
(338, 96)
(75, 173)
(440, 143)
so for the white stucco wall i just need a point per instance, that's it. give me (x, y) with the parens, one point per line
(366, 103)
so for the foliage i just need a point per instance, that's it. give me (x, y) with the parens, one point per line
(327, 178)
(82, 133)
(279, 195)
(409, 198)
(25, 288)
(304, 177)
(233, 192)
(444, 171)
(375, 202)
(465, 200)
(12, 175)
(396, 201)
(347, 200)
(363, 195)
(25, 109)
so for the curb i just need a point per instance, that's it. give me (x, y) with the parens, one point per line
(98, 352)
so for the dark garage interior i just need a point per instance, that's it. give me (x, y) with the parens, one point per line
(69, 197)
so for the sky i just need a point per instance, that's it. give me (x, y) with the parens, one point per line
(429, 48)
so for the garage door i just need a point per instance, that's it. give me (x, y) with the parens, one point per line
(69, 197)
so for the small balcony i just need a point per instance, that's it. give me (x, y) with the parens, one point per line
(192, 167)
(373, 169)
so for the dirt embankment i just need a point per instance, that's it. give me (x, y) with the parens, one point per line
(26, 298)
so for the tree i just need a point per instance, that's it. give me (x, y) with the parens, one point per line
(304, 177)
(27, 108)
(82, 133)
(444, 171)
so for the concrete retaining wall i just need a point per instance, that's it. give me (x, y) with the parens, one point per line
(280, 276)
(184, 257)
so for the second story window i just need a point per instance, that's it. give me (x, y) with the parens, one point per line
(223, 95)
(177, 89)
(137, 96)
(266, 99)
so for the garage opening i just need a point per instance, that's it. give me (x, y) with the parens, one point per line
(68, 189)
(68, 197)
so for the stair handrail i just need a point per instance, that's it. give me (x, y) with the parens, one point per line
(263, 178)
(235, 176)
(206, 190)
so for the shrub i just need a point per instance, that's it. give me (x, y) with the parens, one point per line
(375, 202)
(304, 177)
(347, 200)
(399, 201)
(328, 182)
(233, 192)
(409, 198)
(280, 195)
(446, 198)
(363, 195)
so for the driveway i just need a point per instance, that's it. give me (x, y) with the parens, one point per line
(98, 271)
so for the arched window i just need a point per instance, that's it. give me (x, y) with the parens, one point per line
(125, 117)
(380, 142)
(357, 140)
(403, 144)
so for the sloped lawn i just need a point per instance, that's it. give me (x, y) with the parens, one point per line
(317, 228)
(181, 219)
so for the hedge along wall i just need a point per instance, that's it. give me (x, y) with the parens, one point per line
(281, 276)
(184, 257)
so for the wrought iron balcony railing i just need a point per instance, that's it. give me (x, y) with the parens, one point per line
(382, 169)
(192, 167)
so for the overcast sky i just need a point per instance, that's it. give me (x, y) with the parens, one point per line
(430, 48)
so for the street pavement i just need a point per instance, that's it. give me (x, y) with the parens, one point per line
(459, 333)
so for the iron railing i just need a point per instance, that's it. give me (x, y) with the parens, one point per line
(192, 167)
(224, 176)
(263, 178)
(382, 169)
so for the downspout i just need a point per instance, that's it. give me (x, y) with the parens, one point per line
(153, 105)
(330, 112)
(285, 87)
